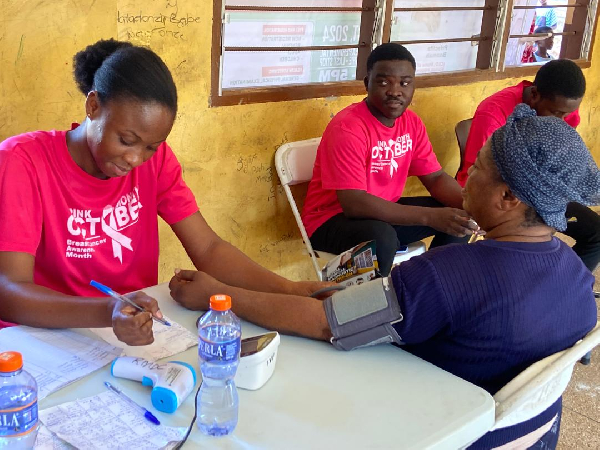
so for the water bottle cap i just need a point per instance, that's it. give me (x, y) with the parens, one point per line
(10, 361)
(220, 302)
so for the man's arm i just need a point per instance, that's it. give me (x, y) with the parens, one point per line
(362, 205)
(443, 188)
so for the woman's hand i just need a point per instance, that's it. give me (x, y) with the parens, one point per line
(132, 326)
(192, 289)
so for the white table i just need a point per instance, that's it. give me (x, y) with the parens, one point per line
(320, 398)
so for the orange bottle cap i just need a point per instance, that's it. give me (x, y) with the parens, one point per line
(220, 302)
(10, 361)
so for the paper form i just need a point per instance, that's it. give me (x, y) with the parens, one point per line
(48, 441)
(106, 422)
(168, 341)
(56, 358)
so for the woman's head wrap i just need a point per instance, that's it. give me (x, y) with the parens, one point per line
(546, 164)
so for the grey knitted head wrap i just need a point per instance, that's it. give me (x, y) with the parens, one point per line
(546, 164)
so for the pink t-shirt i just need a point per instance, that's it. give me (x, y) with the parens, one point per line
(359, 152)
(79, 227)
(492, 114)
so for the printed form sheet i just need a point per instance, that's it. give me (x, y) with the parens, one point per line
(107, 422)
(168, 341)
(56, 358)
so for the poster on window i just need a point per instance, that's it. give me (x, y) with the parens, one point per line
(427, 25)
(289, 29)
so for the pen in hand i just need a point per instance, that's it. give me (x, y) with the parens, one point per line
(108, 291)
(147, 414)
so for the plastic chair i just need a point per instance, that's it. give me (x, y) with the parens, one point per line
(540, 385)
(462, 133)
(294, 162)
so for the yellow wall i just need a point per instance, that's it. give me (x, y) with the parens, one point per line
(226, 152)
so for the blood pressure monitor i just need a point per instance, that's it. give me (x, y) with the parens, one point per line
(257, 360)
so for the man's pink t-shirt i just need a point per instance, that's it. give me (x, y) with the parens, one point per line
(492, 114)
(359, 152)
(81, 228)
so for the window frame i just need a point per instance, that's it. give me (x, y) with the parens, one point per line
(495, 61)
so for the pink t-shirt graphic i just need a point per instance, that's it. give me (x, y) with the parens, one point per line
(359, 152)
(79, 227)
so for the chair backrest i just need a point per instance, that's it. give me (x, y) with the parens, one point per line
(294, 162)
(462, 133)
(540, 385)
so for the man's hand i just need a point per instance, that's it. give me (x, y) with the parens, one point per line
(450, 221)
(192, 289)
(132, 326)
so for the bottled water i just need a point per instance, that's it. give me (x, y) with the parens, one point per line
(219, 333)
(18, 404)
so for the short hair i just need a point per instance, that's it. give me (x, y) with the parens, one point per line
(543, 30)
(390, 52)
(118, 70)
(560, 77)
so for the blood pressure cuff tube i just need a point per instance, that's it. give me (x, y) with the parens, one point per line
(363, 315)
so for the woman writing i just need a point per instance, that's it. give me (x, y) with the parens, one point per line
(82, 204)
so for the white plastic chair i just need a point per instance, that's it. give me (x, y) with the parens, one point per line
(536, 388)
(294, 162)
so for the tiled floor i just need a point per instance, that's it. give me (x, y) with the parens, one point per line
(580, 427)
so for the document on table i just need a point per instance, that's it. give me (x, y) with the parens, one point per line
(56, 358)
(105, 422)
(48, 441)
(168, 341)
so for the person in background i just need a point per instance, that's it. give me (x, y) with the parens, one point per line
(557, 90)
(546, 16)
(366, 154)
(82, 205)
(544, 45)
(484, 311)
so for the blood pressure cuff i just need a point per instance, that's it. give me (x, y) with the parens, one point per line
(363, 315)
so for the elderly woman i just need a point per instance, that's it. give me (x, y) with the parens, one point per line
(484, 311)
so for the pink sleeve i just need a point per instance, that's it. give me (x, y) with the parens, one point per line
(482, 127)
(20, 204)
(573, 119)
(423, 160)
(343, 160)
(175, 201)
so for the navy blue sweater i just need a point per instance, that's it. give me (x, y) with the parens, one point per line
(487, 311)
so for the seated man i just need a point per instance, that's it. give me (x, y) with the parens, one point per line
(366, 154)
(483, 311)
(557, 91)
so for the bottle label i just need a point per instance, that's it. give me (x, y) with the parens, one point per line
(219, 351)
(15, 422)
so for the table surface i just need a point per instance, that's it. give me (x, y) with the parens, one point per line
(376, 397)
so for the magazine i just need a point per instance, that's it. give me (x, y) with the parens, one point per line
(354, 266)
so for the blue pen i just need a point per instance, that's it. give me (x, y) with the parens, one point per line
(147, 414)
(113, 294)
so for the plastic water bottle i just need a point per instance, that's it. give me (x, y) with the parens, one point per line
(18, 404)
(219, 334)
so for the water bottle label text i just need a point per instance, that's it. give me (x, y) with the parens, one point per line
(18, 421)
(224, 352)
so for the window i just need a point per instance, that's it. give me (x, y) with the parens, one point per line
(270, 50)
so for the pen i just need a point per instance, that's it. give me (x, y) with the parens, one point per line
(113, 294)
(147, 414)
